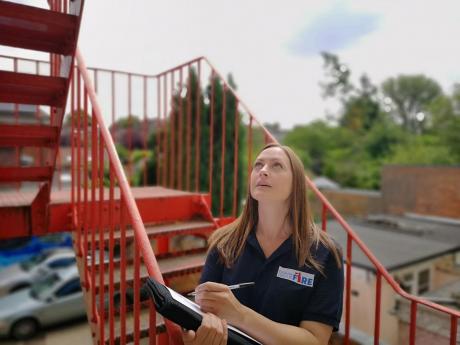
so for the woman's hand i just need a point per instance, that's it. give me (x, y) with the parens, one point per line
(219, 300)
(213, 331)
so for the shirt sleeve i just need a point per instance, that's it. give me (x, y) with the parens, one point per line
(213, 268)
(325, 305)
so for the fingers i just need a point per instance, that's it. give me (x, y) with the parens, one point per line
(205, 332)
(211, 331)
(212, 302)
(211, 286)
(188, 337)
(225, 334)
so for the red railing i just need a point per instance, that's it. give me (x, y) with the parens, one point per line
(169, 171)
(102, 205)
(183, 100)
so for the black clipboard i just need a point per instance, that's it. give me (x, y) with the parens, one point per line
(186, 313)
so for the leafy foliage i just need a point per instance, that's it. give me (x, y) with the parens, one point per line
(406, 120)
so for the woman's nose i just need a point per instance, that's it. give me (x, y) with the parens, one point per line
(264, 171)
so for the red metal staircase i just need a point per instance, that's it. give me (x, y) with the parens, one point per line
(205, 140)
(54, 31)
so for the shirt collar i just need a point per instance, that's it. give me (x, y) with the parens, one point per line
(284, 247)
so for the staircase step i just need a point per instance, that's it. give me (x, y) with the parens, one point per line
(156, 230)
(24, 88)
(28, 135)
(35, 28)
(19, 174)
(169, 267)
(144, 326)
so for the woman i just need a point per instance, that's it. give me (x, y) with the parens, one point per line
(296, 267)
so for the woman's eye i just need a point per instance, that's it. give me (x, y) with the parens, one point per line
(277, 165)
(258, 165)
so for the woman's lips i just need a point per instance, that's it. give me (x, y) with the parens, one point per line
(262, 185)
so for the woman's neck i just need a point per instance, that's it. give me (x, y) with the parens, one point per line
(273, 223)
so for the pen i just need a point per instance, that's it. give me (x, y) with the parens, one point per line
(231, 287)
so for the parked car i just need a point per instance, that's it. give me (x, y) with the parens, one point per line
(55, 298)
(17, 250)
(21, 275)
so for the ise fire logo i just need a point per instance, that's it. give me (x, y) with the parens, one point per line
(298, 277)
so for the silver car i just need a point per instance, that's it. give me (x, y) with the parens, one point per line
(53, 299)
(22, 275)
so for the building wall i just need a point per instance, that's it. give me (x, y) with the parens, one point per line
(424, 190)
(363, 297)
(349, 202)
(433, 327)
(363, 304)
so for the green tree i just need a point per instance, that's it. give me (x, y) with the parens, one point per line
(411, 96)
(312, 142)
(198, 108)
(360, 108)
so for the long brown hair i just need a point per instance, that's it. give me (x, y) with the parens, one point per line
(230, 239)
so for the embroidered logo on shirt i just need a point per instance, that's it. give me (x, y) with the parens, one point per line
(299, 277)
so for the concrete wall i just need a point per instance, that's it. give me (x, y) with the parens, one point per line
(423, 190)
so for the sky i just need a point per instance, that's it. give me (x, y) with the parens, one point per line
(273, 48)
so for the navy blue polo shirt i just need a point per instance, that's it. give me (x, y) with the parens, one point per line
(283, 291)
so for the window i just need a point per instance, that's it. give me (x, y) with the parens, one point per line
(61, 263)
(407, 282)
(70, 288)
(423, 281)
(457, 259)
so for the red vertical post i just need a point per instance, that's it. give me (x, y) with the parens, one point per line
(198, 128)
(249, 149)
(158, 149)
(348, 290)
(235, 161)
(72, 144)
(152, 323)
(413, 322)
(324, 217)
(165, 131)
(85, 181)
(130, 133)
(453, 329)
(122, 269)
(180, 132)
(137, 263)
(38, 150)
(188, 130)
(16, 121)
(145, 131)
(101, 229)
(211, 135)
(378, 302)
(111, 256)
(94, 166)
(223, 138)
(172, 172)
(78, 170)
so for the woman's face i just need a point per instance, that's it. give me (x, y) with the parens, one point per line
(271, 176)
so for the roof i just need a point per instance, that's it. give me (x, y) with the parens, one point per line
(394, 249)
(447, 295)
(322, 182)
(437, 229)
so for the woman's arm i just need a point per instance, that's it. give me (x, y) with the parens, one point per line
(219, 300)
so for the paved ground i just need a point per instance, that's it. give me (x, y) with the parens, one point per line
(75, 332)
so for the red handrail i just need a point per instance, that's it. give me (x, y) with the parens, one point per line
(103, 146)
(165, 176)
